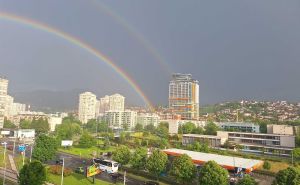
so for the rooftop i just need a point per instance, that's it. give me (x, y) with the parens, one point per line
(220, 159)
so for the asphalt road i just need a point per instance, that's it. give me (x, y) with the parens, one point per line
(73, 162)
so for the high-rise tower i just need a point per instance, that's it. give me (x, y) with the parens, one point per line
(184, 96)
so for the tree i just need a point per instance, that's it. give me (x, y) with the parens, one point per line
(289, 176)
(86, 140)
(211, 173)
(247, 180)
(67, 130)
(296, 152)
(33, 173)
(150, 128)
(183, 169)
(198, 130)
(211, 129)
(45, 148)
(40, 125)
(139, 157)
(122, 155)
(8, 124)
(25, 124)
(163, 130)
(197, 146)
(157, 162)
(138, 127)
(267, 165)
(188, 128)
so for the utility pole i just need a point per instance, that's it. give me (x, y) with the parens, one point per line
(4, 160)
(14, 147)
(125, 178)
(30, 152)
(62, 172)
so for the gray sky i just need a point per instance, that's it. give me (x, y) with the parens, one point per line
(236, 49)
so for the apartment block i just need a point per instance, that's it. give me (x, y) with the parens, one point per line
(148, 119)
(121, 119)
(3, 99)
(87, 107)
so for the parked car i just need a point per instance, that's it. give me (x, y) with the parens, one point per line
(59, 162)
(79, 170)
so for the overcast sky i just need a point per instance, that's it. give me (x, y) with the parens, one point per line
(236, 49)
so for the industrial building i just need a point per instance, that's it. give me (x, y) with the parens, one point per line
(212, 141)
(227, 162)
(239, 126)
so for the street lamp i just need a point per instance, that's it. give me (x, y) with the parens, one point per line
(62, 172)
(4, 160)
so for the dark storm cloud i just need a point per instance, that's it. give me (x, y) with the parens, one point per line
(237, 50)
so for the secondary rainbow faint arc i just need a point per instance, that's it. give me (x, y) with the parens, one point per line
(137, 35)
(79, 43)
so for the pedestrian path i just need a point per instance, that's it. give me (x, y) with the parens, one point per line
(12, 163)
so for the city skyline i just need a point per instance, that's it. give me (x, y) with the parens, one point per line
(246, 58)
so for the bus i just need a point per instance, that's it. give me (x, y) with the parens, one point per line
(107, 165)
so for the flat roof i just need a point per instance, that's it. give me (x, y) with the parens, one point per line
(254, 133)
(201, 136)
(225, 161)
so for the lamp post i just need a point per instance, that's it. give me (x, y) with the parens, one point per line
(62, 172)
(4, 160)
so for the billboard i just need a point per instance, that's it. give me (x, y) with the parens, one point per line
(66, 143)
(92, 171)
(5, 132)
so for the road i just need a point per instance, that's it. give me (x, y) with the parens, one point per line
(72, 161)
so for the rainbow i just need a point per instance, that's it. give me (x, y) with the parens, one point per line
(133, 32)
(79, 43)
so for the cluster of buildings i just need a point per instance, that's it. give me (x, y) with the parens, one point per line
(111, 109)
(274, 111)
(279, 140)
(8, 108)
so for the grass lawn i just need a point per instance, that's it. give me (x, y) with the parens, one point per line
(85, 152)
(141, 178)
(276, 166)
(75, 179)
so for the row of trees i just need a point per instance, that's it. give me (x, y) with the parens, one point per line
(182, 168)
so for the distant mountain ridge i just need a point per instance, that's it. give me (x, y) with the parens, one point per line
(48, 100)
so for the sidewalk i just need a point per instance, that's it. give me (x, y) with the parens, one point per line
(13, 164)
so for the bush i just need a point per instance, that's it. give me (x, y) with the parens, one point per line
(267, 165)
(56, 170)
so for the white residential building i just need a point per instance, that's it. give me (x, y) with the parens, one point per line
(148, 119)
(87, 107)
(53, 121)
(116, 102)
(3, 99)
(121, 119)
(8, 105)
(17, 108)
(103, 105)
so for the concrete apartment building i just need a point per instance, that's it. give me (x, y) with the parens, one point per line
(116, 102)
(256, 142)
(239, 126)
(148, 119)
(212, 141)
(3, 99)
(121, 119)
(87, 107)
(184, 96)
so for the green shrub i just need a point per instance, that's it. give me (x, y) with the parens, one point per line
(56, 170)
(267, 165)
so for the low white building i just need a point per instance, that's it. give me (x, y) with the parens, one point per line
(53, 121)
(239, 126)
(148, 119)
